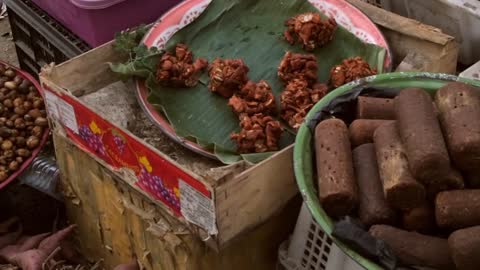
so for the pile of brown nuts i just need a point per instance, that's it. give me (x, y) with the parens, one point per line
(22, 120)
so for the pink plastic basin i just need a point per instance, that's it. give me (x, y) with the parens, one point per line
(97, 21)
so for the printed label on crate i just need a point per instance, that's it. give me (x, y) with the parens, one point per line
(51, 102)
(62, 111)
(197, 208)
(67, 115)
(156, 175)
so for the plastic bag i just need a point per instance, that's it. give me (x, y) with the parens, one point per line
(354, 234)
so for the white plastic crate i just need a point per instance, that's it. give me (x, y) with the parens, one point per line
(458, 18)
(309, 248)
(473, 72)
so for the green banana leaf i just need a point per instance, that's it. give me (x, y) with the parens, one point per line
(253, 31)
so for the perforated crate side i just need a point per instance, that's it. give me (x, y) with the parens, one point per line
(309, 248)
(26, 63)
(40, 39)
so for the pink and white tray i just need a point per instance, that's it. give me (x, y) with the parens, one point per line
(183, 14)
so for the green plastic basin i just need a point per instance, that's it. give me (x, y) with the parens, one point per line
(303, 163)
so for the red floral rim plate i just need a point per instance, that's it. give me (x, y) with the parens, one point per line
(44, 139)
(186, 12)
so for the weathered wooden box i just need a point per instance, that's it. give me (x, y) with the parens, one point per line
(235, 216)
(117, 223)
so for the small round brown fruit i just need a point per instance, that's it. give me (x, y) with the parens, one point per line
(19, 159)
(19, 123)
(32, 95)
(9, 123)
(23, 152)
(32, 142)
(38, 103)
(13, 166)
(11, 85)
(41, 121)
(28, 118)
(20, 110)
(8, 103)
(8, 154)
(18, 102)
(27, 105)
(10, 73)
(35, 113)
(3, 176)
(6, 145)
(37, 131)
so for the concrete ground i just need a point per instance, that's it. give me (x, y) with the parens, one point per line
(7, 47)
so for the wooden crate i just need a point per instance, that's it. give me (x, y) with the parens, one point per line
(116, 222)
(438, 51)
(243, 197)
(118, 219)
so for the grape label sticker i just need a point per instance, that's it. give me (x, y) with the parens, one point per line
(197, 208)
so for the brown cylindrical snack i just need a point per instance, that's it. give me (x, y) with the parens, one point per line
(401, 189)
(416, 249)
(449, 180)
(375, 108)
(459, 107)
(336, 180)
(373, 208)
(465, 248)
(420, 219)
(361, 130)
(458, 209)
(421, 135)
